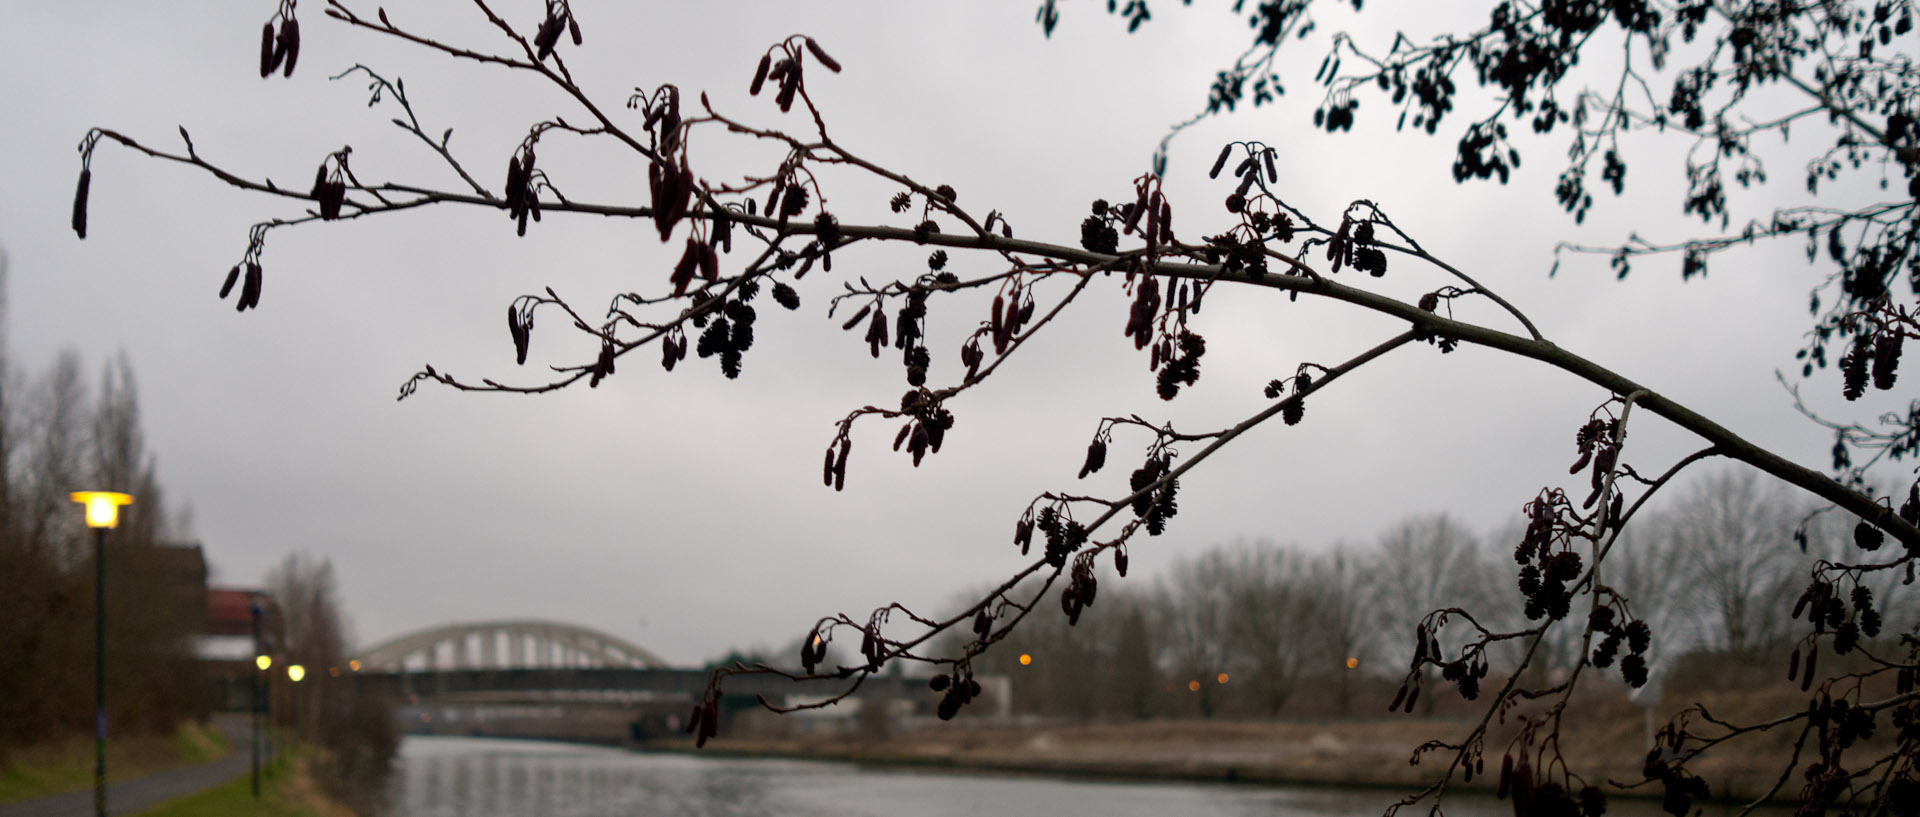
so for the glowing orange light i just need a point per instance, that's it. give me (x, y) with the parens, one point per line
(1025, 659)
(1193, 686)
(354, 665)
(1352, 662)
(103, 507)
(1222, 678)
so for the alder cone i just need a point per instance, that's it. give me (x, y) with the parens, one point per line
(1868, 537)
(1853, 369)
(1886, 359)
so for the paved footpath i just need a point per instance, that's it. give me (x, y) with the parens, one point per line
(131, 796)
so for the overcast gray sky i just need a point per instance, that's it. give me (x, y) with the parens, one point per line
(685, 511)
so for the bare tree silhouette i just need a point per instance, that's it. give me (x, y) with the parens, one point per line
(763, 233)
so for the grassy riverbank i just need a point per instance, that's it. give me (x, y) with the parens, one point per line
(290, 791)
(67, 765)
(1607, 740)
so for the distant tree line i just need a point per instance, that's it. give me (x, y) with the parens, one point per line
(353, 729)
(1259, 629)
(58, 436)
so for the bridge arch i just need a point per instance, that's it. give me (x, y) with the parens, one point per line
(505, 644)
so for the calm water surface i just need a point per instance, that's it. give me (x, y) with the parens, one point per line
(483, 777)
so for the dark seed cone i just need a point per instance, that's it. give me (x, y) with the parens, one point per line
(1292, 412)
(786, 296)
(1886, 359)
(1868, 537)
(1853, 369)
(80, 203)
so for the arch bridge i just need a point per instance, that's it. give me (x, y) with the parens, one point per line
(503, 645)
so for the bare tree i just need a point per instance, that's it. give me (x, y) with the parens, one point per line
(1735, 535)
(773, 229)
(1340, 619)
(1195, 619)
(1270, 606)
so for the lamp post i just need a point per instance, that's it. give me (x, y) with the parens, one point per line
(261, 660)
(295, 673)
(103, 513)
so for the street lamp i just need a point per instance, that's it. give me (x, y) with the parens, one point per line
(103, 512)
(295, 672)
(263, 661)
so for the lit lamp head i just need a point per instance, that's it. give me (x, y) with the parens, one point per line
(295, 672)
(103, 507)
(263, 662)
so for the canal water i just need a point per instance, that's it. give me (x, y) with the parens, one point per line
(486, 777)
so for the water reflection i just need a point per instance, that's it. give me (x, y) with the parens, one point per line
(480, 777)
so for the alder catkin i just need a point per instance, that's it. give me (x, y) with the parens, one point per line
(760, 75)
(267, 63)
(233, 276)
(289, 41)
(821, 55)
(250, 288)
(1221, 162)
(80, 202)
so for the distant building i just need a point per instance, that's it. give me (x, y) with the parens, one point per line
(226, 644)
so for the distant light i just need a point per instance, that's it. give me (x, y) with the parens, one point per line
(333, 671)
(1025, 659)
(103, 507)
(354, 665)
(426, 717)
(1193, 686)
(1352, 662)
(1222, 678)
(295, 672)
(263, 661)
